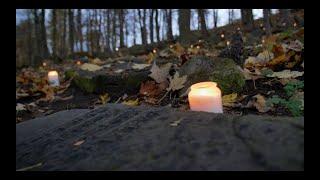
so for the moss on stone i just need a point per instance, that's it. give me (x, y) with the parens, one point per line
(85, 84)
(70, 74)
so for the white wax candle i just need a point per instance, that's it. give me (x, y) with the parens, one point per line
(205, 96)
(53, 78)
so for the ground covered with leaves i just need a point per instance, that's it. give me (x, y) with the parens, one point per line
(273, 69)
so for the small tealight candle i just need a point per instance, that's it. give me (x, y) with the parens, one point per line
(198, 47)
(205, 96)
(117, 49)
(222, 36)
(78, 62)
(191, 46)
(294, 24)
(44, 64)
(261, 25)
(284, 24)
(200, 41)
(53, 78)
(228, 43)
(263, 41)
(171, 46)
(264, 29)
(238, 29)
(154, 51)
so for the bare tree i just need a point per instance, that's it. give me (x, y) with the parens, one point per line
(231, 16)
(71, 31)
(79, 29)
(169, 24)
(266, 21)
(54, 32)
(151, 24)
(285, 17)
(202, 18)
(121, 28)
(64, 34)
(157, 25)
(184, 24)
(247, 19)
(215, 18)
(143, 29)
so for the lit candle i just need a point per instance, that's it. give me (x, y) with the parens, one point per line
(263, 41)
(295, 25)
(238, 29)
(198, 47)
(228, 43)
(261, 25)
(191, 46)
(53, 78)
(205, 96)
(222, 36)
(284, 24)
(44, 64)
(78, 63)
(171, 46)
(154, 51)
(117, 49)
(264, 29)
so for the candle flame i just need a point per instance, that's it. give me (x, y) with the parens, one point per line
(117, 49)
(222, 35)
(78, 63)
(191, 46)
(198, 47)
(154, 51)
(228, 43)
(52, 73)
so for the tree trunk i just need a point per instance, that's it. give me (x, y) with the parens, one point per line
(71, 31)
(266, 21)
(184, 24)
(108, 30)
(121, 22)
(151, 25)
(204, 30)
(247, 19)
(142, 21)
(215, 18)
(64, 35)
(157, 25)
(285, 17)
(80, 29)
(134, 27)
(44, 46)
(169, 24)
(114, 30)
(54, 33)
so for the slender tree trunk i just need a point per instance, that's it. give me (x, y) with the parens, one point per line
(114, 30)
(121, 22)
(184, 24)
(142, 20)
(169, 25)
(64, 35)
(37, 37)
(266, 20)
(29, 40)
(157, 25)
(285, 17)
(247, 19)
(215, 18)
(44, 46)
(79, 15)
(134, 27)
(54, 32)
(151, 25)
(108, 30)
(71, 31)
(204, 30)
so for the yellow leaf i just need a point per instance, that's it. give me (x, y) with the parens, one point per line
(104, 98)
(177, 82)
(286, 74)
(160, 74)
(259, 102)
(139, 66)
(150, 58)
(90, 67)
(131, 102)
(228, 100)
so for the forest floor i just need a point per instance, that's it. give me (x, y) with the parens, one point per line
(274, 83)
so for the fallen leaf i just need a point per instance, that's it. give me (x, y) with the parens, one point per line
(104, 98)
(176, 123)
(259, 102)
(131, 102)
(159, 75)
(90, 67)
(265, 56)
(119, 71)
(177, 82)
(286, 74)
(151, 88)
(229, 100)
(78, 143)
(106, 66)
(296, 46)
(120, 62)
(278, 60)
(20, 107)
(150, 58)
(97, 61)
(139, 66)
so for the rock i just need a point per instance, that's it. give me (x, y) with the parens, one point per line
(119, 137)
(221, 70)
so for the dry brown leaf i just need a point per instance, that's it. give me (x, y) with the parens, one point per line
(151, 88)
(160, 75)
(229, 100)
(259, 102)
(90, 67)
(131, 102)
(177, 82)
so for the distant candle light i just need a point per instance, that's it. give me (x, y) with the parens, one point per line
(263, 41)
(261, 25)
(198, 47)
(78, 63)
(284, 24)
(222, 36)
(228, 43)
(295, 25)
(171, 46)
(44, 64)
(154, 51)
(238, 29)
(191, 46)
(117, 49)
(264, 29)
